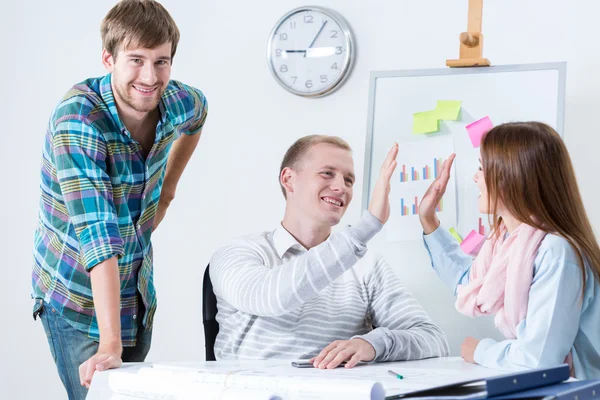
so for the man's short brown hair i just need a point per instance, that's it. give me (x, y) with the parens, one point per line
(138, 23)
(298, 150)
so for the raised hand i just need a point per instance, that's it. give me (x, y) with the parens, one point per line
(380, 200)
(432, 198)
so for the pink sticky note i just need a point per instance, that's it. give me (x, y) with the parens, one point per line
(472, 243)
(479, 128)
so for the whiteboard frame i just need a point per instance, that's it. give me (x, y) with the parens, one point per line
(561, 67)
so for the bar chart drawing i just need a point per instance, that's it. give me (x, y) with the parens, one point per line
(429, 171)
(414, 208)
(419, 163)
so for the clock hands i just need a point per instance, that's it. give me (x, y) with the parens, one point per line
(317, 35)
(318, 52)
(315, 52)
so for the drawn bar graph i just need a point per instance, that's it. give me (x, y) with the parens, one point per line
(405, 210)
(424, 173)
(415, 207)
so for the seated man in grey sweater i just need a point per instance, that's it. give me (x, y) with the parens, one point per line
(301, 292)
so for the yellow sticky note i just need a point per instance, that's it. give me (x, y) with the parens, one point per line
(425, 122)
(456, 235)
(448, 109)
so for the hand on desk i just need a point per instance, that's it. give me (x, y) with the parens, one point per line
(467, 349)
(352, 351)
(100, 361)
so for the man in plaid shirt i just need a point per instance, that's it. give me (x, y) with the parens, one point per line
(114, 151)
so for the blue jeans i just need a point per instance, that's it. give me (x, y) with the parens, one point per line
(70, 347)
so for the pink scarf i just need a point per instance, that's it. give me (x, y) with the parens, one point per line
(500, 278)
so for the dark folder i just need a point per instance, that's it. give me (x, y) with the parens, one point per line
(577, 390)
(540, 383)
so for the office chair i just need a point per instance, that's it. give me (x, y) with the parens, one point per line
(209, 313)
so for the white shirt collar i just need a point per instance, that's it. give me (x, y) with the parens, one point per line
(283, 241)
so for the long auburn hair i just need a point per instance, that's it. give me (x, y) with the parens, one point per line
(527, 168)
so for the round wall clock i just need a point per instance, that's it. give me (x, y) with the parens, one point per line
(311, 51)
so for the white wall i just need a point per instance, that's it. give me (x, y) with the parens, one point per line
(230, 187)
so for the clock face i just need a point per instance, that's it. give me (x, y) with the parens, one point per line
(310, 51)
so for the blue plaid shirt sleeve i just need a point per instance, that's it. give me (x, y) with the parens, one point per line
(191, 109)
(80, 157)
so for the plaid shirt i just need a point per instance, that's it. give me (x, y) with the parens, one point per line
(99, 198)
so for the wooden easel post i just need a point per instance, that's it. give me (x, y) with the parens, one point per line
(471, 42)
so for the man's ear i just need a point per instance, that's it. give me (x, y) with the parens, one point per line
(108, 60)
(286, 178)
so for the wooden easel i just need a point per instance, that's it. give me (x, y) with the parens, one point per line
(471, 42)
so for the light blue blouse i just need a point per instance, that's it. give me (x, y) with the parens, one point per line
(558, 319)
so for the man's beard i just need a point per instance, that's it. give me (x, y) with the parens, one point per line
(145, 106)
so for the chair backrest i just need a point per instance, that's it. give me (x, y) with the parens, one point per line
(209, 314)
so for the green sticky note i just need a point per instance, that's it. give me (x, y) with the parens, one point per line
(456, 235)
(425, 122)
(448, 109)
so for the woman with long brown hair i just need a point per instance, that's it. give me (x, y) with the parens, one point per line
(538, 270)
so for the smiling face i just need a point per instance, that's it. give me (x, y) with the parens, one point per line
(319, 188)
(139, 77)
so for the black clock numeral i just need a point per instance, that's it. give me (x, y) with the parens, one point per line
(323, 78)
(292, 24)
(283, 36)
(308, 84)
(283, 68)
(308, 19)
(295, 78)
(334, 66)
(334, 34)
(277, 52)
(338, 49)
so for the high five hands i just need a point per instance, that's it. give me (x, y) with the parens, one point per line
(380, 200)
(432, 198)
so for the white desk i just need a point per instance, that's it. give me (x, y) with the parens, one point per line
(444, 370)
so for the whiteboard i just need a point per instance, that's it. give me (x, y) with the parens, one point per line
(534, 92)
